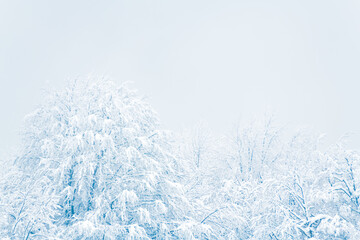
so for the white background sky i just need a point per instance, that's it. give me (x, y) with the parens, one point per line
(196, 60)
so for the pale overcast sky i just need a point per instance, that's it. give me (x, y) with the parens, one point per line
(196, 60)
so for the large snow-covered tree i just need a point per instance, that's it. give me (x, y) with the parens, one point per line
(95, 165)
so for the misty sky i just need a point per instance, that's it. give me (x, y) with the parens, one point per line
(216, 61)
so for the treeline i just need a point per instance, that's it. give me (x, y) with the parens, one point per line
(95, 164)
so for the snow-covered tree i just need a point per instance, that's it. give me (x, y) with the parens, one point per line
(95, 165)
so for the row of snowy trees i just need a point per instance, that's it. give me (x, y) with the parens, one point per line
(257, 184)
(95, 164)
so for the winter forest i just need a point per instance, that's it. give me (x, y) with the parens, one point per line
(95, 163)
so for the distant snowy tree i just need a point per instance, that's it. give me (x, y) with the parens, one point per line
(279, 188)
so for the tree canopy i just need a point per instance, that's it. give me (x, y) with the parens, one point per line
(96, 164)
